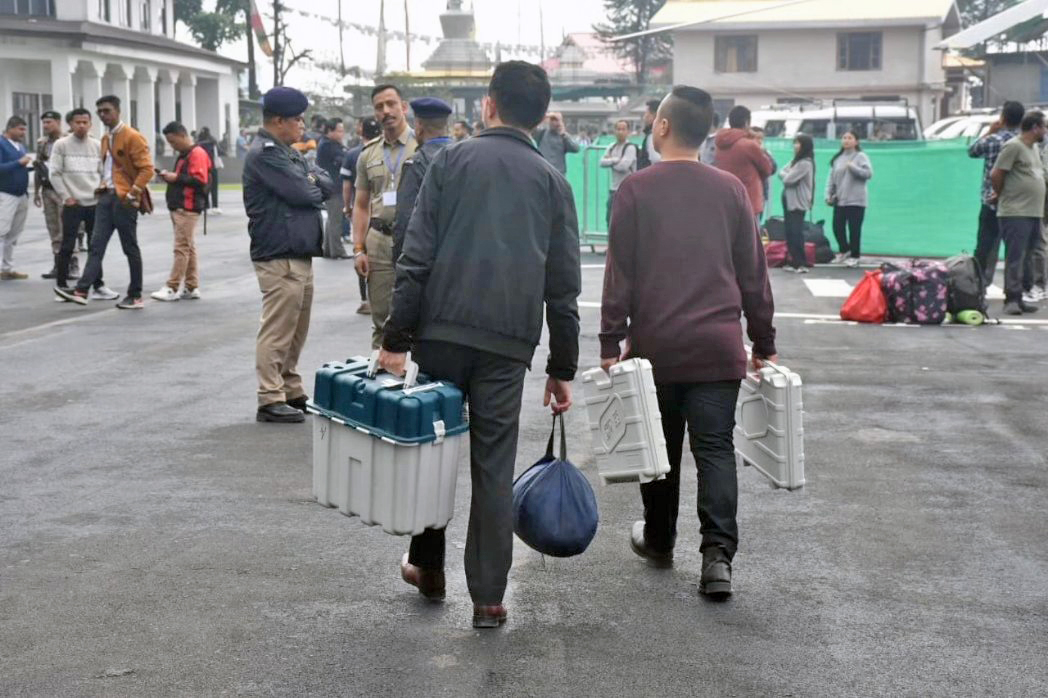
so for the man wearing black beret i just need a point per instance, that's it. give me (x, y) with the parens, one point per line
(431, 132)
(44, 195)
(283, 198)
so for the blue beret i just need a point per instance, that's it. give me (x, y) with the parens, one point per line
(285, 101)
(430, 108)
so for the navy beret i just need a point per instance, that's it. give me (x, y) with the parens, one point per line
(285, 101)
(430, 108)
(51, 115)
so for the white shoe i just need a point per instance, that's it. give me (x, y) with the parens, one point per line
(803, 270)
(1041, 292)
(851, 262)
(165, 294)
(215, 211)
(188, 295)
(994, 292)
(841, 258)
(103, 293)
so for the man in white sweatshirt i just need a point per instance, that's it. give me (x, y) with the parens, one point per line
(76, 174)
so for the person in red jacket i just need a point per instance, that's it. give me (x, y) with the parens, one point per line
(739, 153)
(187, 191)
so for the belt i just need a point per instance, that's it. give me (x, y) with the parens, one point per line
(381, 226)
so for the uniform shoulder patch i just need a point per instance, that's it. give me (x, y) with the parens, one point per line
(269, 144)
(373, 141)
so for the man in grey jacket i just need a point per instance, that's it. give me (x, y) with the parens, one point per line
(492, 243)
(555, 143)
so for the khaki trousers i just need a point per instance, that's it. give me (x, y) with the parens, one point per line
(185, 265)
(287, 299)
(53, 218)
(380, 281)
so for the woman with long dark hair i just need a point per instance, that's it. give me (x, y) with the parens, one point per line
(846, 192)
(798, 196)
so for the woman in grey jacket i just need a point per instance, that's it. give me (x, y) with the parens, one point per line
(798, 195)
(846, 192)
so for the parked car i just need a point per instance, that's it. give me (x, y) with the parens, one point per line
(871, 121)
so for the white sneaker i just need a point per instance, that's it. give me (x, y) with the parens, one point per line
(994, 292)
(841, 258)
(851, 262)
(165, 294)
(1041, 292)
(215, 211)
(103, 293)
(188, 295)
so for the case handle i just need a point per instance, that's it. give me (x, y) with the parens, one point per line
(410, 374)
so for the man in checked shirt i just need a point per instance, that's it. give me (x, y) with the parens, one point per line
(988, 242)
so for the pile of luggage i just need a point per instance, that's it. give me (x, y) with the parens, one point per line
(817, 248)
(921, 293)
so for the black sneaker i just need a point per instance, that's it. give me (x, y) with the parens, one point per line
(1012, 308)
(640, 546)
(1027, 308)
(71, 294)
(53, 274)
(131, 303)
(279, 412)
(299, 403)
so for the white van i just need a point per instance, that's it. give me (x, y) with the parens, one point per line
(871, 121)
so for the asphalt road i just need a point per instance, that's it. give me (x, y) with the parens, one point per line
(155, 540)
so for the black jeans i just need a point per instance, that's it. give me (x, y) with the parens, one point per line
(611, 203)
(214, 188)
(1020, 235)
(111, 214)
(794, 224)
(72, 217)
(708, 412)
(847, 228)
(494, 386)
(988, 242)
(1035, 270)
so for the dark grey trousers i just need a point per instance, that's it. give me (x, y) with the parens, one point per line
(494, 386)
(1020, 235)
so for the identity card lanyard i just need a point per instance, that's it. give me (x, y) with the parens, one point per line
(389, 197)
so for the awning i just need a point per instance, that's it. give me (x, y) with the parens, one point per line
(996, 25)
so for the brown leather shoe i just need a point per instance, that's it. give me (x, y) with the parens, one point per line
(489, 616)
(430, 583)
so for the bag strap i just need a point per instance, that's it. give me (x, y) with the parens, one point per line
(563, 439)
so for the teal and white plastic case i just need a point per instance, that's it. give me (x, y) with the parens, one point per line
(769, 426)
(625, 422)
(386, 449)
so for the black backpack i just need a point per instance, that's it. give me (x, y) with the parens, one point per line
(643, 159)
(967, 287)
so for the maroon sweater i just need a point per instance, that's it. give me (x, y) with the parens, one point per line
(685, 261)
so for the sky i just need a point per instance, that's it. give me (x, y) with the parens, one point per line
(496, 20)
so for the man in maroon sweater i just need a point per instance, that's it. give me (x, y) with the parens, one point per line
(684, 263)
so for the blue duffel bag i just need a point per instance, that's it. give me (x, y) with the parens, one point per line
(554, 510)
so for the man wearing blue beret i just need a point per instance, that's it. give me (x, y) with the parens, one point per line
(283, 197)
(431, 132)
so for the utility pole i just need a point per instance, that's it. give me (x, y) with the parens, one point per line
(380, 60)
(341, 51)
(252, 78)
(542, 35)
(407, 34)
(278, 48)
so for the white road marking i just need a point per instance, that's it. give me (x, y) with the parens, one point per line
(592, 266)
(828, 288)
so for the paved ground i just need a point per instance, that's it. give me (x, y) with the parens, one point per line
(155, 540)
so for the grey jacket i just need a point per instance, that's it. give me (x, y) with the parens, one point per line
(555, 147)
(798, 183)
(493, 244)
(847, 183)
(283, 198)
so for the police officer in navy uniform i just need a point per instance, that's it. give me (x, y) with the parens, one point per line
(431, 132)
(283, 197)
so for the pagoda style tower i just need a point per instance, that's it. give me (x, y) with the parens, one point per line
(458, 52)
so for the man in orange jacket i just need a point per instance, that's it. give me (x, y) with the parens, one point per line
(127, 169)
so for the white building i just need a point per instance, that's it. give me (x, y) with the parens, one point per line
(60, 54)
(760, 52)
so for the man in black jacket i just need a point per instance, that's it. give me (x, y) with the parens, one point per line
(493, 242)
(431, 132)
(283, 198)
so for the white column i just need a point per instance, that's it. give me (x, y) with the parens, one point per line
(62, 69)
(187, 96)
(166, 98)
(209, 108)
(145, 95)
(119, 78)
(91, 73)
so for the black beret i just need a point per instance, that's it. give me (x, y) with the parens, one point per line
(285, 101)
(430, 108)
(51, 115)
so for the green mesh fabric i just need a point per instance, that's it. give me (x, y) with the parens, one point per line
(924, 195)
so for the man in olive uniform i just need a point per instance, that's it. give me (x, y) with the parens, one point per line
(378, 176)
(431, 132)
(283, 198)
(44, 194)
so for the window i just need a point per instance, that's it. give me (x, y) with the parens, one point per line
(28, 8)
(816, 128)
(29, 106)
(775, 128)
(163, 17)
(735, 54)
(859, 51)
(105, 12)
(146, 10)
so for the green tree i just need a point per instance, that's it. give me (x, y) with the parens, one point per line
(629, 17)
(230, 21)
(975, 11)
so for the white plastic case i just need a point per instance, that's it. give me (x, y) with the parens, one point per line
(769, 426)
(626, 425)
(404, 488)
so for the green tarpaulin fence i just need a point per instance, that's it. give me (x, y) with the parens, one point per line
(924, 196)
